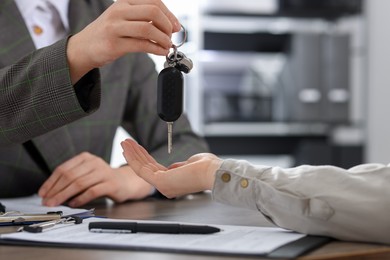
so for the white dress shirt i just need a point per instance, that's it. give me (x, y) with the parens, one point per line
(46, 20)
(349, 204)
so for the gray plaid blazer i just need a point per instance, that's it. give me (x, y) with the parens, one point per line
(40, 98)
(36, 94)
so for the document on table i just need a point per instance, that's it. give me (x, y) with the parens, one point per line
(232, 240)
(33, 205)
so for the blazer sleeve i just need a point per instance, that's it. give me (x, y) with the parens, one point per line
(37, 95)
(348, 204)
(142, 122)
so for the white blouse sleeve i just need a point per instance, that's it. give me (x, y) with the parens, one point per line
(351, 204)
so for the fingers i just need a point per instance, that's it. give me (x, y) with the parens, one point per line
(146, 167)
(123, 185)
(131, 154)
(147, 157)
(142, 31)
(73, 177)
(158, 3)
(134, 152)
(146, 14)
(83, 183)
(97, 191)
(146, 19)
(127, 26)
(141, 162)
(53, 180)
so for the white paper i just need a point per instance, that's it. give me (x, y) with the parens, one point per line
(232, 239)
(33, 205)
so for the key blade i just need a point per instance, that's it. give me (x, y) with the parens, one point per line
(170, 126)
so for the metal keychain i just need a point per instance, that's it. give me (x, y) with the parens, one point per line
(177, 58)
(170, 87)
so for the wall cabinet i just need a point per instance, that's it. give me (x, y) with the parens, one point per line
(272, 77)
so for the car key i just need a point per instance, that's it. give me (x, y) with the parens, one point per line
(170, 98)
(170, 87)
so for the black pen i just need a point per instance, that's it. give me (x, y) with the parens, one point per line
(165, 228)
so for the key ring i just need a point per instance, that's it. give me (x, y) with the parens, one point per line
(184, 37)
(175, 47)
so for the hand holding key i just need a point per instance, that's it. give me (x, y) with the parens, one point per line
(127, 26)
(170, 88)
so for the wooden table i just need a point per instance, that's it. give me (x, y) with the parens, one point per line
(198, 208)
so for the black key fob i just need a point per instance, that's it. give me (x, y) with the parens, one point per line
(170, 94)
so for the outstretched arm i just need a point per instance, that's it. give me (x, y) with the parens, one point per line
(316, 200)
(193, 175)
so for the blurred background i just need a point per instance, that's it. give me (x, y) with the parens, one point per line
(288, 82)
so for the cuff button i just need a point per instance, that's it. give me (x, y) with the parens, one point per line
(244, 183)
(225, 177)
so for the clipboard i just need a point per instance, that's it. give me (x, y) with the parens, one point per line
(19, 218)
(29, 210)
